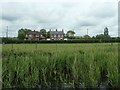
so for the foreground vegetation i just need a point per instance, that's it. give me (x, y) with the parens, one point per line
(49, 65)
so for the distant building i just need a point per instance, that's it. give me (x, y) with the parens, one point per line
(106, 31)
(34, 35)
(86, 36)
(56, 35)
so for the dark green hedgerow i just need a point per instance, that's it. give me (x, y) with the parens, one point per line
(17, 41)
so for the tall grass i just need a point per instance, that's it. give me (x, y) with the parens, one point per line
(49, 65)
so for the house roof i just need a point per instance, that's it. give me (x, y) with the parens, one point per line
(33, 32)
(57, 32)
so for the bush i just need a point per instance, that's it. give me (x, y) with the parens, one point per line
(17, 41)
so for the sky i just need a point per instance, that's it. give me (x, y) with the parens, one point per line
(77, 15)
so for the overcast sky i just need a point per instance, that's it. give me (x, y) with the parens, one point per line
(79, 16)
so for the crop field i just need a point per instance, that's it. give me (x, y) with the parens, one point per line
(50, 65)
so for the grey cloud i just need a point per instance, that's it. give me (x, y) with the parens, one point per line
(86, 23)
(102, 10)
(78, 16)
(9, 17)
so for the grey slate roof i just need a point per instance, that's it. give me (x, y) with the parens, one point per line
(33, 32)
(57, 32)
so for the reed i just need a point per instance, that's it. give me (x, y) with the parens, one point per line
(50, 65)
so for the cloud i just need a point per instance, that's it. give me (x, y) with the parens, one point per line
(64, 15)
(9, 18)
(102, 10)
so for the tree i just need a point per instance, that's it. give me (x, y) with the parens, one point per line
(22, 32)
(21, 35)
(93, 37)
(43, 32)
(70, 33)
(86, 36)
(48, 34)
(106, 31)
(101, 36)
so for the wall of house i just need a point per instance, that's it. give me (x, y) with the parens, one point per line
(33, 37)
(57, 37)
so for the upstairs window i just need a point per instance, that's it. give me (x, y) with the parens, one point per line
(30, 35)
(37, 35)
(27, 35)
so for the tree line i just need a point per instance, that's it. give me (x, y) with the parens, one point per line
(22, 32)
(72, 39)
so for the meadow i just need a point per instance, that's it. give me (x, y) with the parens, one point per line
(50, 65)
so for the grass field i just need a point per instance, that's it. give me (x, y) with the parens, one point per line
(35, 65)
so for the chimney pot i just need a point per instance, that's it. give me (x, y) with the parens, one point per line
(62, 30)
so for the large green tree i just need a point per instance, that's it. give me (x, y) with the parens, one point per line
(22, 32)
(48, 34)
(43, 31)
(102, 36)
(70, 31)
(70, 34)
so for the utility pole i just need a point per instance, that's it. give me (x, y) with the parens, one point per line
(7, 32)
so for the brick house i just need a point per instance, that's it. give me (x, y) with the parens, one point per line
(56, 35)
(34, 35)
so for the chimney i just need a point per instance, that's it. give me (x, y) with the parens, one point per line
(34, 30)
(50, 30)
(62, 30)
(56, 29)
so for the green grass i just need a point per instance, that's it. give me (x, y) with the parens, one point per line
(31, 65)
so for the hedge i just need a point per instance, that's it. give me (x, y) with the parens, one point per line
(17, 41)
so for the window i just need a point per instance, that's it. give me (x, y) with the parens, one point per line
(30, 35)
(37, 35)
(61, 35)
